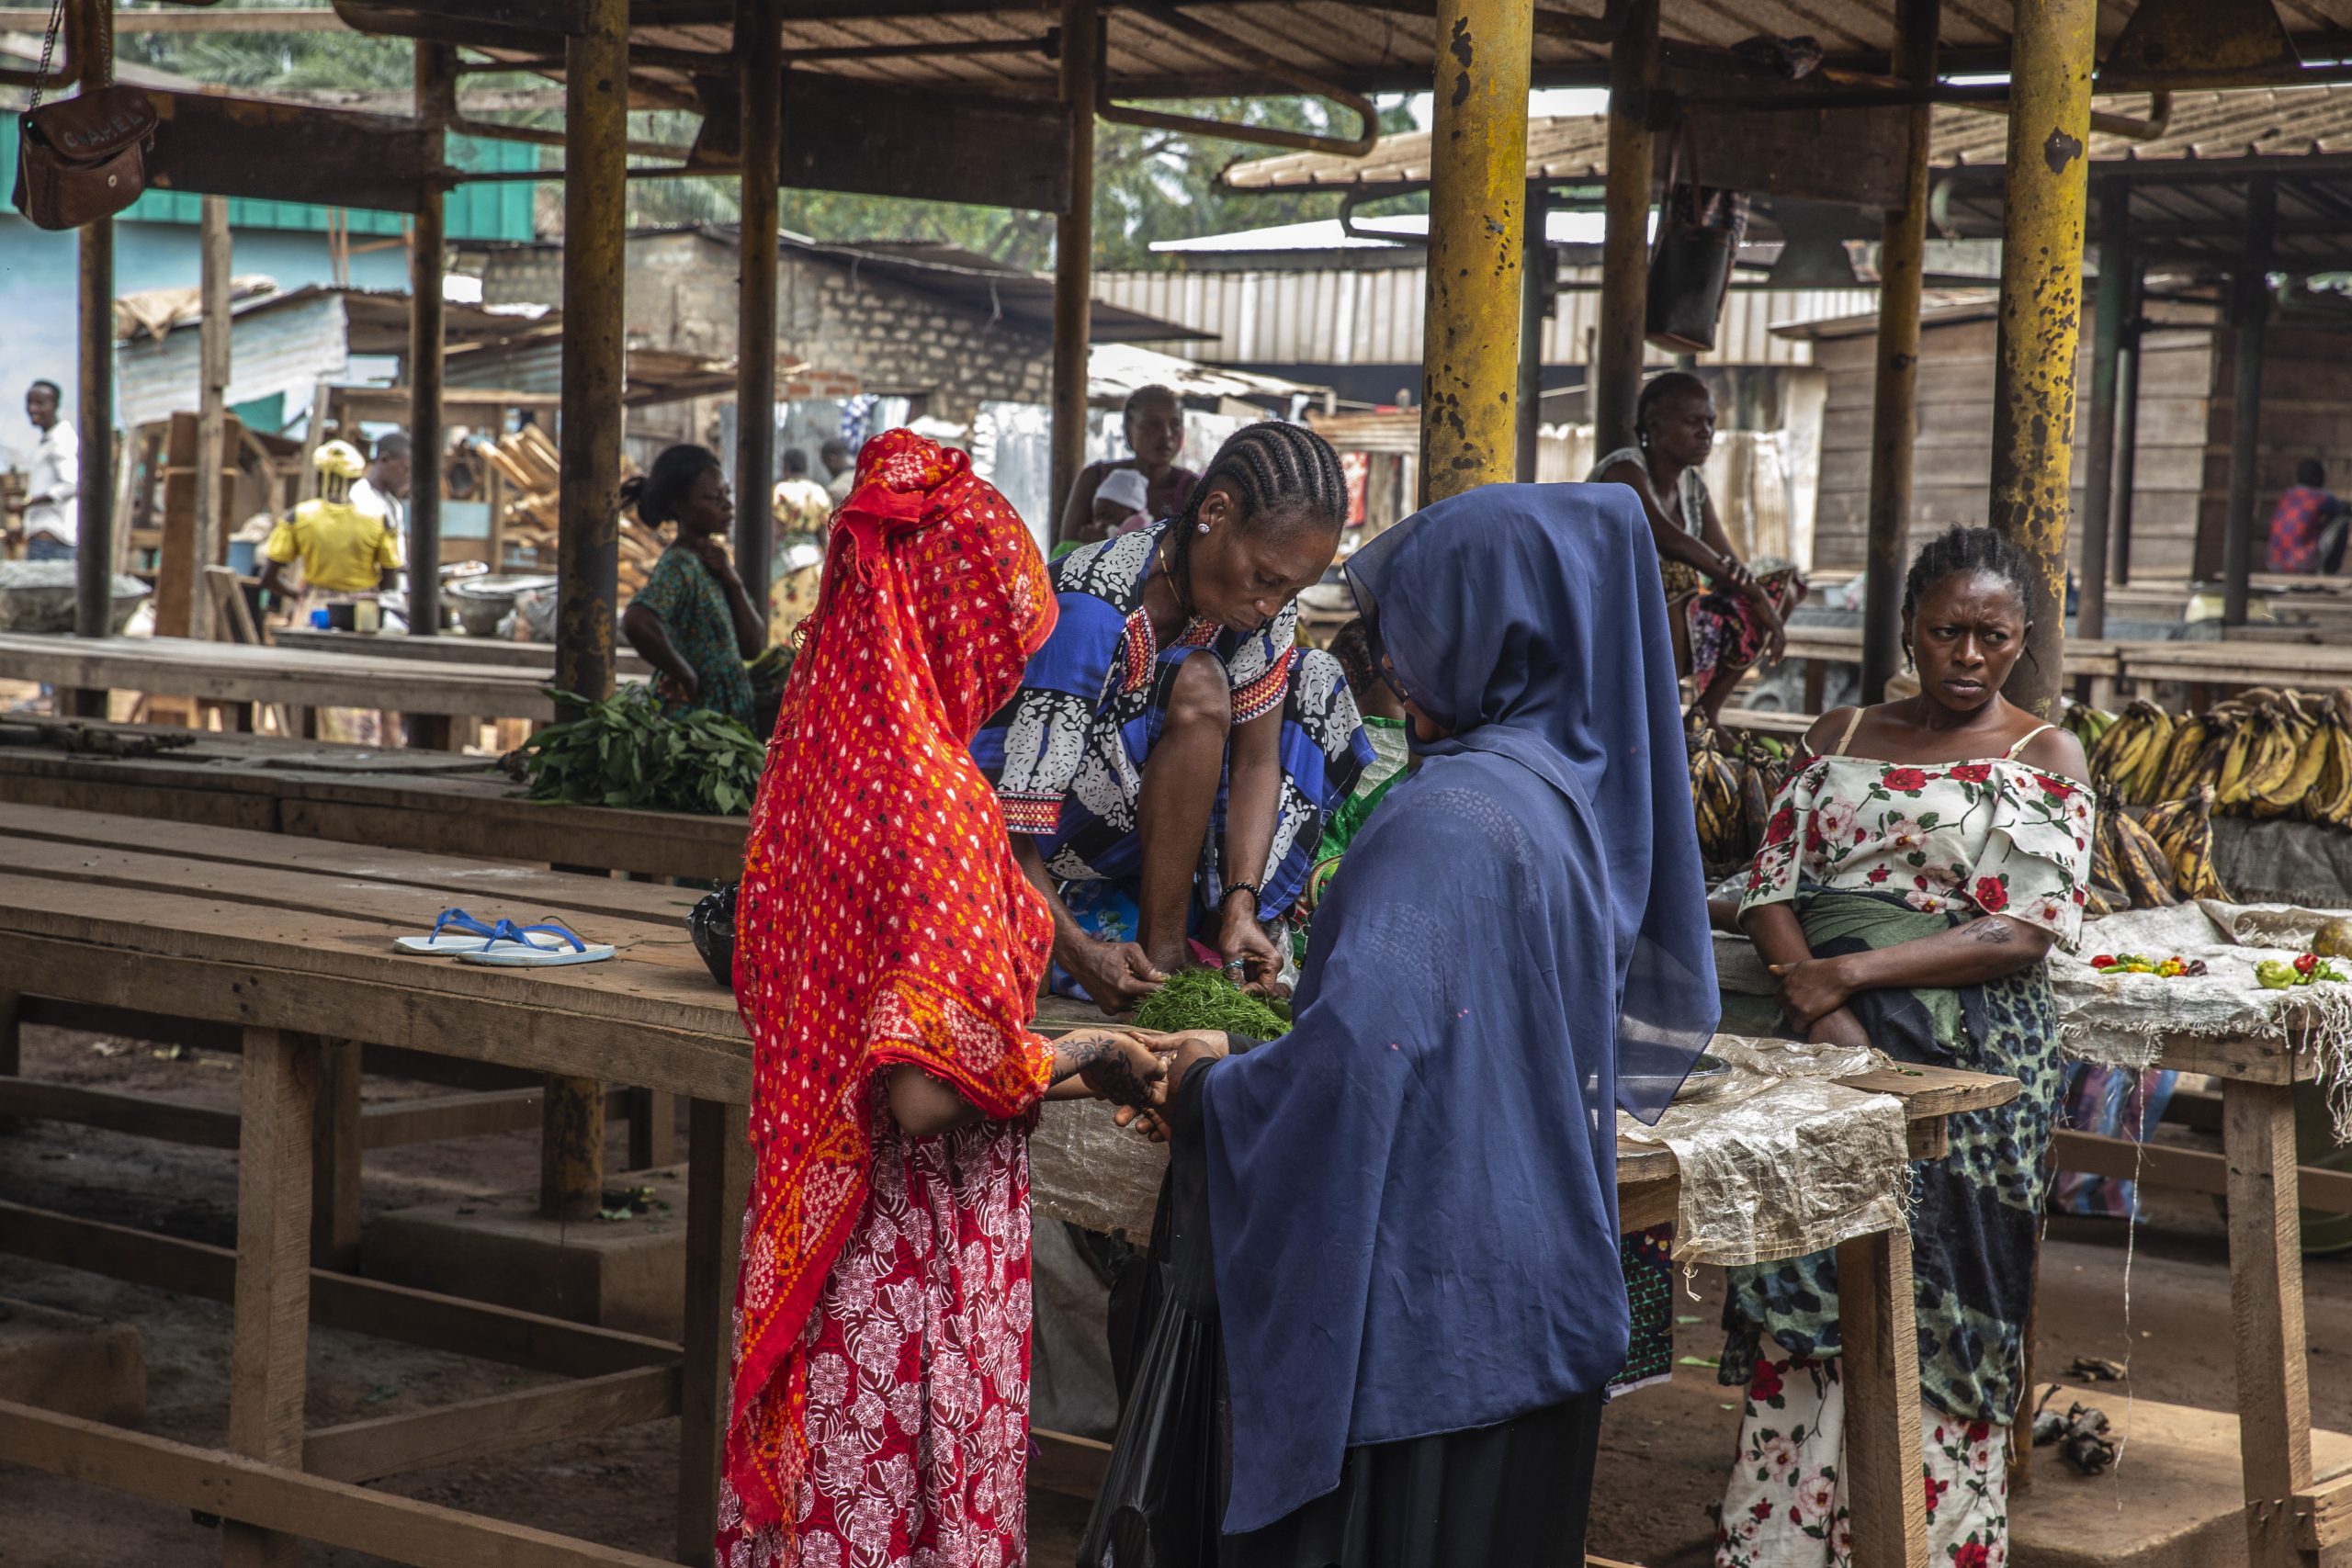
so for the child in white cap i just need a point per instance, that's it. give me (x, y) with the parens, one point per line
(1119, 503)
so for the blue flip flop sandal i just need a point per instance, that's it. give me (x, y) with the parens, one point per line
(454, 933)
(516, 947)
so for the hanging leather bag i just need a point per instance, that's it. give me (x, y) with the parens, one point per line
(1699, 232)
(82, 158)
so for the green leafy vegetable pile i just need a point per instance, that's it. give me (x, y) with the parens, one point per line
(625, 752)
(1204, 999)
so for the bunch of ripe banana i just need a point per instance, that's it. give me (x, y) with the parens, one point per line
(2130, 869)
(1732, 786)
(2265, 752)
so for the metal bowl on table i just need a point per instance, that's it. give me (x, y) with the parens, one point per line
(481, 603)
(38, 596)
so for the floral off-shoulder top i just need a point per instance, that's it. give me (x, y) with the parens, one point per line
(1995, 835)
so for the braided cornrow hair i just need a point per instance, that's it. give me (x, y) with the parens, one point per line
(1276, 470)
(1960, 549)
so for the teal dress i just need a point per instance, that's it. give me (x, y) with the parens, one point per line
(702, 629)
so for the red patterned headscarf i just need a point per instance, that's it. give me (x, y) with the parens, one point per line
(882, 917)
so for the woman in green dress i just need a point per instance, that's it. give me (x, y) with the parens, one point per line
(693, 621)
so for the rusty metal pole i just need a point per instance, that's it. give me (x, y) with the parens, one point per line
(212, 412)
(94, 485)
(759, 47)
(436, 105)
(1477, 210)
(2108, 333)
(1537, 278)
(1625, 241)
(595, 190)
(2042, 294)
(2126, 418)
(1081, 64)
(1902, 259)
(2249, 322)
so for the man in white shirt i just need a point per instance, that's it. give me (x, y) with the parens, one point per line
(384, 488)
(52, 517)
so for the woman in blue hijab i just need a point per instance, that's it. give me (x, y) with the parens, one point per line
(1392, 1296)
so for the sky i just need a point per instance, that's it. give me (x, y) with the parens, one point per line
(1545, 101)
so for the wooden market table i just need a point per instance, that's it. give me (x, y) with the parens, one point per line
(393, 798)
(448, 649)
(240, 672)
(293, 953)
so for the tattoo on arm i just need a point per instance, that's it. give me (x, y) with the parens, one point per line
(1994, 930)
(1078, 1052)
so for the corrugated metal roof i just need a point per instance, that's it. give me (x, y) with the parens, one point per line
(1117, 370)
(1559, 147)
(1328, 316)
(1001, 47)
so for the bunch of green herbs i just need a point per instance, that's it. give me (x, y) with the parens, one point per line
(1204, 999)
(626, 751)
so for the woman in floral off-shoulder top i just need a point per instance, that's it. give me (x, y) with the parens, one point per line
(1916, 872)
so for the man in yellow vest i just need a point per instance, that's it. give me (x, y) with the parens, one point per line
(343, 548)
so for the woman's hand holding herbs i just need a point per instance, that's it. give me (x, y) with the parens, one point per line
(1241, 940)
(1115, 973)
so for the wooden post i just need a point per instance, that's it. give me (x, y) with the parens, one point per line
(436, 105)
(12, 1035)
(718, 1180)
(1880, 1369)
(2042, 294)
(1081, 64)
(334, 1159)
(1625, 241)
(595, 191)
(758, 48)
(1470, 358)
(212, 413)
(269, 1332)
(2249, 322)
(2106, 352)
(2127, 421)
(93, 493)
(1903, 243)
(2266, 1316)
(1537, 276)
(653, 1129)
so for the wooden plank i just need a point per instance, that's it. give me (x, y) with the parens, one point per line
(502, 1423)
(2245, 1061)
(337, 1301)
(12, 1019)
(141, 1115)
(270, 1315)
(1071, 1466)
(283, 1501)
(653, 1126)
(719, 1180)
(2324, 1514)
(516, 1029)
(2192, 1170)
(1880, 1371)
(334, 1159)
(232, 672)
(401, 1122)
(2266, 1318)
(494, 651)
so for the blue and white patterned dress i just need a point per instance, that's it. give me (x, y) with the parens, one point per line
(1067, 753)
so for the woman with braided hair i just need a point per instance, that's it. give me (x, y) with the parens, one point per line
(1167, 766)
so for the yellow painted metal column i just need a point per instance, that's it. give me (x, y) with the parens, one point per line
(2041, 302)
(1477, 219)
(1625, 240)
(595, 205)
(1903, 243)
(1074, 254)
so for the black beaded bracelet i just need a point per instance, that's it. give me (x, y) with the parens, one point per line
(1256, 891)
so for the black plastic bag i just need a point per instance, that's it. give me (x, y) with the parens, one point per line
(713, 924)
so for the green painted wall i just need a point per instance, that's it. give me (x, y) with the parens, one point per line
(497, 211)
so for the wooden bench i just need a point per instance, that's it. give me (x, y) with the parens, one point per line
(424, 801)
(233, 672)
(447, 649)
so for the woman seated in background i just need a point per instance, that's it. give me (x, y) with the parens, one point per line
(1169, 762)
(1915, 876)
(1726, 617)
(1154, 423)
(693, 621)
(1391, 1235)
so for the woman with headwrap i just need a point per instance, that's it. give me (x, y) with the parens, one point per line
(1169, 762)
(888, 957)
(1390, 1237)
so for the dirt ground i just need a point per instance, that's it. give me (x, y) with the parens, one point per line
(1664, 1448)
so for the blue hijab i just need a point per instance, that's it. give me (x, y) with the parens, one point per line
(1413, 1197)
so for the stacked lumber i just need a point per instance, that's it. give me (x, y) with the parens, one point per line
(532, 472)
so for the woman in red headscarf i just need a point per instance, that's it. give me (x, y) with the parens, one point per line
(887, 958)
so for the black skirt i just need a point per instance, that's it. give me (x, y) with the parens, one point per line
(1514, 1493)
